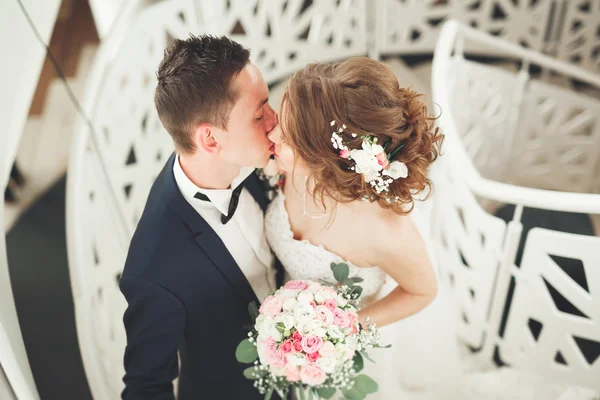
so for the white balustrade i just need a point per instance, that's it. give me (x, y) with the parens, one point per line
(117, 156)
(514, 138)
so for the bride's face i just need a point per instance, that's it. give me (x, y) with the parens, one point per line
(283, 152)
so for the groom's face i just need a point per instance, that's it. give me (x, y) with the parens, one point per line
(245, 141)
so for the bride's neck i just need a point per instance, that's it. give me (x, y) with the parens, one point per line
(305, 187)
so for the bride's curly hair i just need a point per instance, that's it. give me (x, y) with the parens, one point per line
(364, 95)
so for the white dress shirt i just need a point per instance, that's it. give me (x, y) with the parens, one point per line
(243, 235)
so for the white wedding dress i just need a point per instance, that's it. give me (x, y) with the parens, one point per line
(424, 362)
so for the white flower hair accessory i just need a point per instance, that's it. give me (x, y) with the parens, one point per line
(371, 160)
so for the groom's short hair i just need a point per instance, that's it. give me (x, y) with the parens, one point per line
(195, 85)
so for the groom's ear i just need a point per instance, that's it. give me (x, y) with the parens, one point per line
(205, 137)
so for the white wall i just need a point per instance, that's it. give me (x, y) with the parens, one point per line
(105, 12)
(22, 60)
(6, 392)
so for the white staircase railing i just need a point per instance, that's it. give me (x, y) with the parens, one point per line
(495, 143)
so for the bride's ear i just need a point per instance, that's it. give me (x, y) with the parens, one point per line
(206, 140)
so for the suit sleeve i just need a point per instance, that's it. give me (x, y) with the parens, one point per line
(154, 323)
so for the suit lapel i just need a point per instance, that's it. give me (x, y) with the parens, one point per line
(205, 237)
(257, 191)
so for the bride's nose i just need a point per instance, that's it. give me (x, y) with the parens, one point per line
(275, 134)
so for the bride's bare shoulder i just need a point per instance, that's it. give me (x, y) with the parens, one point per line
(375, 221)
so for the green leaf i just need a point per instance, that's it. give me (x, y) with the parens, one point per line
(357, 279)
(326, 393)
(340, 271)
(246, 352)
(358, 290)
(353, 394)
(378, 346)
(253, 310)
(359, 363)
(280, 327)
(269, 394)
(348, 282)
(254, 372)
(365, 384)
(365, 355)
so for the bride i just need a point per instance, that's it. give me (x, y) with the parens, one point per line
(355, 148)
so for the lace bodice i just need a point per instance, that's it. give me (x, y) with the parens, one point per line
(304, 260)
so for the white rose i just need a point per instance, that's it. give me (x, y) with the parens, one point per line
(335, 332)
(259, 321)
(289, 303)
(287, 292)
(304, 312)
(314, 287)
(327, 364)
(343, 351)
(296, 359)
(397, 170)
(261, 348)
(288, 320)
(268, 328)
(352, 341)
(308, 327)
(320, 331)
(305, 297)
(340, 301)
(323, 295)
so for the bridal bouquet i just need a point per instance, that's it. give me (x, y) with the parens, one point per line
(306, 338)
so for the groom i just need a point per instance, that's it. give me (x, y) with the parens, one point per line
(199, 254)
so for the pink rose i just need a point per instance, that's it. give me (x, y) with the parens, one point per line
(353, 322)
(286, 346)
(291, 373)
(296, 285)
(312, 375)
(382, 160)
(327, 350)
(324, 314)
(297, 336)
(311, 344)
(345, 153)
(274, 355)
(313, 356)
(340, 318)
(330, 303)
(271, 306)
(297, 345)
(312, 303)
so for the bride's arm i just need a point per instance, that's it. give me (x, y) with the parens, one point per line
(399, 250)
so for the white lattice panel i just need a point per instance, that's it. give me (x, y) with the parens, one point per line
(554, 323)
(468, 244)
(95, 269)
(413, 26)
(580, 37)
(133, 143)
(558, 140)
(285, 35)
(482, 97)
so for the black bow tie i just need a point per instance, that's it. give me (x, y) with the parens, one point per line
(233, 203)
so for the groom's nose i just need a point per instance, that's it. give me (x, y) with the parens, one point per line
(271, 121)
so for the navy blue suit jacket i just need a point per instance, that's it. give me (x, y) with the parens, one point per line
(185, 293)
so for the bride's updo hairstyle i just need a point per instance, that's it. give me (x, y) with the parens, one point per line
(364, 96)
